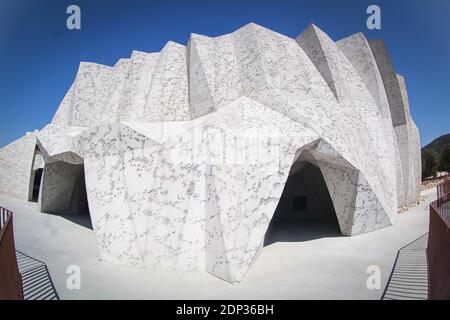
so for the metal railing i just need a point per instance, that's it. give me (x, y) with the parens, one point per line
(10, 278)
(438, 251)
(443, 197)
(5, 214)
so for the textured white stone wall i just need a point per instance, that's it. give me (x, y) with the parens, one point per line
(186, 152)
(407, 134)
(38, 162)
(16, 160)
(357, 50)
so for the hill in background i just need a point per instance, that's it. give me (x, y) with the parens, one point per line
(436, 157)
(437, 145)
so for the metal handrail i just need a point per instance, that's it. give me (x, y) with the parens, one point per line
(438, 251)
(443, 197)
(5, 217)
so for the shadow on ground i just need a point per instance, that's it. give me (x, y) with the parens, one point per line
(298, 231)
(409, 276)
(83, 220)
(36, 281)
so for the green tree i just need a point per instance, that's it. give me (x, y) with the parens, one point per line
(444, 161)
(430, 163)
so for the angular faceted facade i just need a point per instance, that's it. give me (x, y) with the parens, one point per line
(181, 156)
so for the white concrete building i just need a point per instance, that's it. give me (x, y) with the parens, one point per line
(191, 157)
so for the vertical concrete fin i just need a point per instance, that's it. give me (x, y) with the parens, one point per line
(311, 41)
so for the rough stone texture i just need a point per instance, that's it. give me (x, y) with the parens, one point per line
(60, 188)
(357, 50)
(186, 152)
(16, 161)
(406, 131)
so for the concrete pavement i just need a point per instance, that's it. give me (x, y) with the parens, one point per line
(323, 268)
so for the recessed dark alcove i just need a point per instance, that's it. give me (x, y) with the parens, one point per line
(305, 210)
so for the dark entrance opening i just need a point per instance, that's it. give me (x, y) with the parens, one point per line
(305, 210)
(64, 192)
(36, 185)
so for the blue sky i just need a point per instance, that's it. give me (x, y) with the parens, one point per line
(39, 56)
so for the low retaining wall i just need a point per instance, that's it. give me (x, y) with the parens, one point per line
(10, 279)
(439, 244)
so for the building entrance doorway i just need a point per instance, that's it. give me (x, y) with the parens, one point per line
(305, 210)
